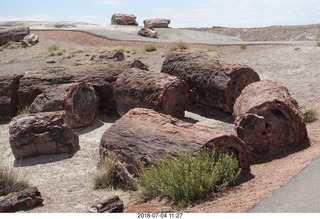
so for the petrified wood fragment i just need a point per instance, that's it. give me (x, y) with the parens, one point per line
(143, 136)
(14, 35)
(268, 119)
(79, 100)
(8, 96)
(162, 92)
(40, 134)
(216, 84)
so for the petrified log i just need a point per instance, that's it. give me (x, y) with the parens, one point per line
(216, 84)
(111, 205)
(148, 32)
(23, 200)
(8, 96)
(79, 100)
(268, 119)
(100, 76)
(143, 136)
(124, 19)
(30, 40)
(157, 23)
(162, 92)
(14, 35)
(40, 134)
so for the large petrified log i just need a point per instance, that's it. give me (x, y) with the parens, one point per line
(100, 76)
(143, 136)
(268, 119)
(14, 35)
(40, 134)
(23, 200)
(8, 96)
(157, 23)
(124, 19)
(148, 32)
(216, 84)
(79, 100)
(162, 92)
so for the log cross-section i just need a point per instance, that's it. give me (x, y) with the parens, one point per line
(216, 84)
(143, 136)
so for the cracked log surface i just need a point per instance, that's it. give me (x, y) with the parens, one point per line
(268, 119)
(13, 34)
(144, 136)
(162, 92)
(215, 83)
(41, 134)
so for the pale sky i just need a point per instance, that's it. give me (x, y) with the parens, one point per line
(183, 13)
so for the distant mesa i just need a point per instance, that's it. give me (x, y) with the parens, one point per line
(157, 23)
(124, 19)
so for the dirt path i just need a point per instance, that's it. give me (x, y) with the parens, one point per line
(65, 182)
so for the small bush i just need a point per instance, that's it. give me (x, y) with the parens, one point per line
(104, 176)
(297, 49)
(10, 181)
(243, 46)
(310, 115)
(24, 110)
(179, 46)
(53, 48)
(318, 43)
(187, 179)
(151, 48)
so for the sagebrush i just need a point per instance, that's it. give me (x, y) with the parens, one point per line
(189, 178)
(310, 115)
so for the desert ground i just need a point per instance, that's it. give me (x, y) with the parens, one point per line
(65, 181)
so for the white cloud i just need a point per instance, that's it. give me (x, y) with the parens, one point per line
(108, 2)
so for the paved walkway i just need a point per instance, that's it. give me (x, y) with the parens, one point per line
(300, 195)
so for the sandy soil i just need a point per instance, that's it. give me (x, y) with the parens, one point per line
(66, 182)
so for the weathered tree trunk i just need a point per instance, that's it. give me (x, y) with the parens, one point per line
(162, 92)
(40, 134)
(124, 19)
(144, 136)
(19, 201)
(14, 35)
(100, 76)
(268, 119)
(157, 23)
(216, 84)
(8, 96)
(79, 100)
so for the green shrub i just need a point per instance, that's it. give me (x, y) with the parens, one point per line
(187, 179)
(10, 181)
(310, 115)
(53, 48)
(243, 46)
(318, 43)
(24, 110)
(151, 48)
(179, 46)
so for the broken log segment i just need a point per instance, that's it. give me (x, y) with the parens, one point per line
(268, 119)
(143, 136)
(79, 100)
(162, 92)
(41, 134)
(8, 96)
(215, 83)
(13, 35)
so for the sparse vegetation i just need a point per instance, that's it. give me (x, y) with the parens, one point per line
(243, 46)
(179, 46)
(318, 43)
(150, 48)
(104, 176)
(187, 179)
(24, 110)
(53, 48)
(11, 181)
(211, 52)
(310, 115)
(297, 49)
(113, 49)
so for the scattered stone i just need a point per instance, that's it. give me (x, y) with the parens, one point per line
(51, 61)
(41, 134)
(148, 32)
(124, 19)
(140, 65)
(19, 201)
(111, 205)
(157, 23)
(112, 55)
(30, 40)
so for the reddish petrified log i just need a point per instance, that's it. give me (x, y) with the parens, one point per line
(162, 92)
(216, 84)
(79, 100)
(40, 134)
(124, 19)
(8, 96)
(268, 119)
(14, 35)
(111, 205)
(144, 136)
(23, 200)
